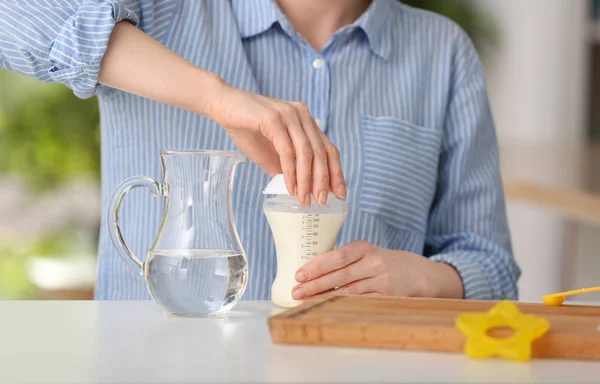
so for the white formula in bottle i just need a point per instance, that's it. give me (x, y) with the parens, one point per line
(300, 234)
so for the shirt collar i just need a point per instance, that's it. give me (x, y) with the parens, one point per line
(257, 16)
(374, 23)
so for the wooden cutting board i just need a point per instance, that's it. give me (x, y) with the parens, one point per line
(427, 324)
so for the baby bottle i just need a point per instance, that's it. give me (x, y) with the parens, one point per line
(300, 234)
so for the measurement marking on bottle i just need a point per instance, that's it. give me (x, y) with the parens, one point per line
(310, 223)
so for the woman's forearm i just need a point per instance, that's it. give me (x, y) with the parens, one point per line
(138, 64)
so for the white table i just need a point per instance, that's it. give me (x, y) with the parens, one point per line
(133, 342)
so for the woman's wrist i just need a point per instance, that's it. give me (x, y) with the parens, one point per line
(209, 95)
(443, 281)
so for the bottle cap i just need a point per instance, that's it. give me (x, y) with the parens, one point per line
(276, 186)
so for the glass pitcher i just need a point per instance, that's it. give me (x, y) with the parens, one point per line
(196, 266)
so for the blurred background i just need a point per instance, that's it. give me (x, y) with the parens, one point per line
(542, 59)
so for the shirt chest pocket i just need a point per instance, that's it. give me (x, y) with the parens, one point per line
(399, 171)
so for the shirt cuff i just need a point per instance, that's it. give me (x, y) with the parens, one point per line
(475, 284)
(81, 43)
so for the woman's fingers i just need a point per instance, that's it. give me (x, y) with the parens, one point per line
(368, 286)
(277, 133)
(304, 155)
(331, 261)
(337, 182)
(320, 169)
(346, 276)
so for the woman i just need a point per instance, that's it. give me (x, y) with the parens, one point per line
(387, 100)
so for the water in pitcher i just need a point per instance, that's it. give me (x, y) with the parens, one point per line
(196, 281)
(196, 265)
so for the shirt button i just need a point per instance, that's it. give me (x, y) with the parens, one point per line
(318, 63)
(319, 123)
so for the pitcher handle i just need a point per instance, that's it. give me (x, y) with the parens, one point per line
(113, 220)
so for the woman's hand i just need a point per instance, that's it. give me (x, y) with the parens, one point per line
(361, 268)
(281, 137)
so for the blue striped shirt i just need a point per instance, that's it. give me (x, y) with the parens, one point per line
(401, 93)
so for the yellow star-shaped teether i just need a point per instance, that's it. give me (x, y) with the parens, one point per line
(504, 314)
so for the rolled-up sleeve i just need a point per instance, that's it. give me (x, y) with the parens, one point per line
(60, 41)
(468, 226)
